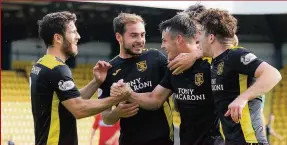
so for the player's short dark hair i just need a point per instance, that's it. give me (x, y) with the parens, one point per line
(180, 24)
(119, 22)
(195, 9)
(53, 23)
(219, 23)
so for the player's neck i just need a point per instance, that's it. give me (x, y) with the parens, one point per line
(218, 49)
(124, 55)
(188, 48)
(57, 53)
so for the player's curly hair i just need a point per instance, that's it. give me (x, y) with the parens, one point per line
(219, 23)
(195, 10)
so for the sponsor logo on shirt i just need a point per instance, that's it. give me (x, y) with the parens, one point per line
(187, 94)
(66, 85)
(138, 84)
(246, 59)
(35, 70)
(216, 87)
(116, 72)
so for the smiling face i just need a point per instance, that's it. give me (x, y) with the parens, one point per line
(69, 44)
(133, 39)
(204, 43)
(169, 45)
(58, 31)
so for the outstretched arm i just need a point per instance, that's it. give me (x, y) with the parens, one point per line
(151, 101)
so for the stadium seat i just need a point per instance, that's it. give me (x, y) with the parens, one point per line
(279, 108)
(21, 64)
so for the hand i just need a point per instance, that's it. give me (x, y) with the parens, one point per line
(100, 71)
(184, 61)
(235, 109)
(116, 88)
(121, 90)
(125, 109)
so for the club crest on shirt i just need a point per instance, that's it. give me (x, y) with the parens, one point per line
(142, 66)
(220, 68)
(199, 79)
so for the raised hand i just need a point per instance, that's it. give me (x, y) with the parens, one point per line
(100, 71)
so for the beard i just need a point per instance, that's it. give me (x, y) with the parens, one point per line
(128, 49)
(67, 48)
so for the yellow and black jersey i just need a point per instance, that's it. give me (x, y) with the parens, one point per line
(232, 73)
(143, 73)
(193, 94)
(51, 83)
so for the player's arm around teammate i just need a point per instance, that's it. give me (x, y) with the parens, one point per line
(184, 61)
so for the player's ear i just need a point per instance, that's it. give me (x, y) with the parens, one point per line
(58, 38)
(196, 38)
(179, 39)
(119, 38)
(211, 38)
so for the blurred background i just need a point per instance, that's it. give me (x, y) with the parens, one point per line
(262, 29)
